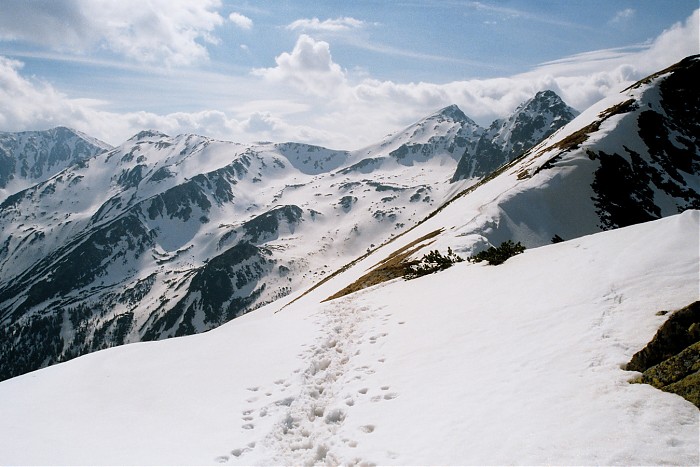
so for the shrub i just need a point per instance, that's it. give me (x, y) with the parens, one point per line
(498, 255)
(430, 263)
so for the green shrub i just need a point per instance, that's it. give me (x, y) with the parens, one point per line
(430, 263)
(498, 255)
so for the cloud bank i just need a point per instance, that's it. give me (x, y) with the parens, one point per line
(318, 101)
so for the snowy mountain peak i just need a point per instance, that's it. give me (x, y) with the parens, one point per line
(148, 135)
(442, 136)
(452, 112)
(545, 103)
(506, 139)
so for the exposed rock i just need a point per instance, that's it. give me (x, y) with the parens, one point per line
(671, 361)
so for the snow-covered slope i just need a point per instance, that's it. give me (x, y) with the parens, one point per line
(511, 364)
(30, 157)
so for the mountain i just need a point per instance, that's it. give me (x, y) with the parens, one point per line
(440, 138)
(169, 236)
(509, 138)
(34, 156)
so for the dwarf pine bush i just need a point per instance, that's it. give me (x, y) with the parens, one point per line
(431, 262)
(498, 255)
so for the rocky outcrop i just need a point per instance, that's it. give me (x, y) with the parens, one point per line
(671, 360)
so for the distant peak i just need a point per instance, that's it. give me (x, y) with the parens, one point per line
(546, 100)
(547, 96)
(147, 134)
(452, 112)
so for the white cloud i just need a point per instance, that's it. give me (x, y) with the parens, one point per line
(240, 20)
(309, 68)
(330, 25)
(307, 97)
(171, 32)
(623, 15)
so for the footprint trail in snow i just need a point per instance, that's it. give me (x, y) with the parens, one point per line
(306, 426)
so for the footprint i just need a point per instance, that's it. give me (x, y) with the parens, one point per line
(237, 452)
(390, 395)
(254, 388)
(367, 428)
(376, 398)
(287, 401)
(349, 402)
(279, 381)
(362, 391)
(381, 360)
(248, 426)
(402, 322)
(221, 459)
(384, 388)
(247, 418)
(335, 416)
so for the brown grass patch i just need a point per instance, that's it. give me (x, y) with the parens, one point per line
(621, 108)
(391, 267)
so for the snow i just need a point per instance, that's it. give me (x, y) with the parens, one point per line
(511, 364)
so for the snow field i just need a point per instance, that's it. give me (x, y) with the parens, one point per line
(514, 364)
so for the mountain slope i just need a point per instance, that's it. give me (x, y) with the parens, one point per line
(469, 366)
(569, 185)
(34, 156)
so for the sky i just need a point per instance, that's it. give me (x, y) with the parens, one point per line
(333, 73)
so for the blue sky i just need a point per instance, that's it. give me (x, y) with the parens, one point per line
(336, 73)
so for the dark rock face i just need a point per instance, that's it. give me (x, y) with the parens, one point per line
(671, 360)
(219, 291)
(631, 187)
(35, 305)
(507, 139)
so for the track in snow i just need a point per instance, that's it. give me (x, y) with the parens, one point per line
(308, 422)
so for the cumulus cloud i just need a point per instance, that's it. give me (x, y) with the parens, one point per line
(171, 32)
(240, 20)
(309, 67)
(330, 25)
